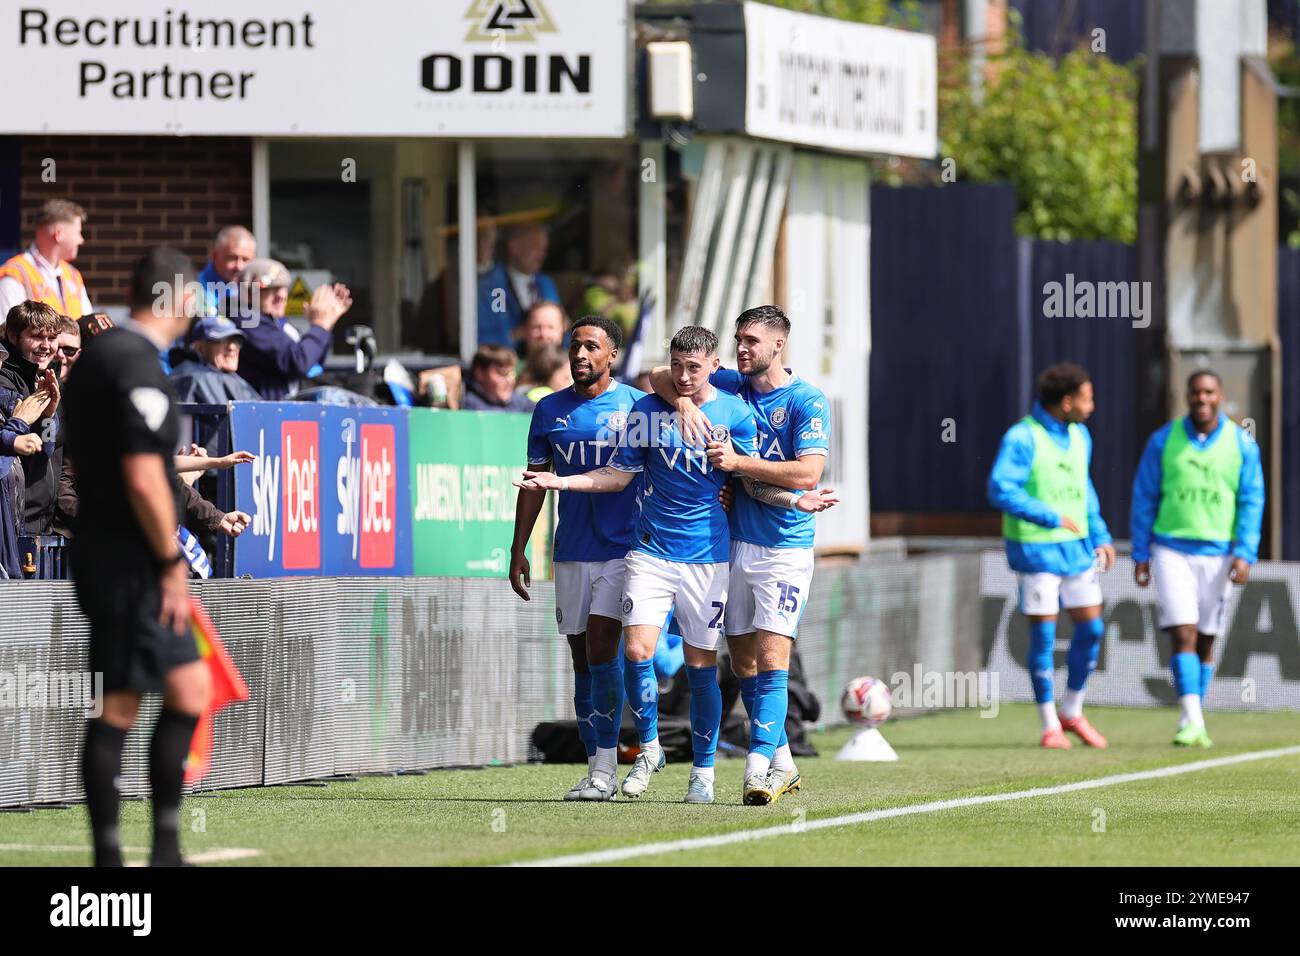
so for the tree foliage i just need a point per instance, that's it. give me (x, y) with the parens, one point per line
(1064, 133)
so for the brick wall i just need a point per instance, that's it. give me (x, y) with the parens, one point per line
(140, 191)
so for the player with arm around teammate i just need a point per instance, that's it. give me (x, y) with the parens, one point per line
(772, 529)
(573, 431)
(679, 554)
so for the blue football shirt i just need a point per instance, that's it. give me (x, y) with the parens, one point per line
(681, 517)
(575, 435)
(792, 420)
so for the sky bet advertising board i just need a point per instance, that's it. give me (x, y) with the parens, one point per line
(328, 493)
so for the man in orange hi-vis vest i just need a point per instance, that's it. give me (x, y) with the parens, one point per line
(45, 272)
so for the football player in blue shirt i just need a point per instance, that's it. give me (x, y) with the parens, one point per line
(679, 555)
(772, 530)
(573, 431)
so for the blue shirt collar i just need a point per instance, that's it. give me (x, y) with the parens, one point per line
(1049, 421)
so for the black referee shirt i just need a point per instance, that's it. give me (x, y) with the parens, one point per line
(118, 402)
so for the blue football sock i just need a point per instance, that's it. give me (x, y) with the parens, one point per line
(1187, 673)
(1207, 675)
(607, 701)
(1042, 641)
(642, 689)
(748, 690)
(582, 707)
(770, 706)
(706, 713)
(1085, 645)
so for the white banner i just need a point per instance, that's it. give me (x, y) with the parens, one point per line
(1257, 657)
(828, 294)
(838, 85)
(492, 68)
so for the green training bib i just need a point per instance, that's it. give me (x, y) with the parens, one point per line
(1059, 479)
(1198, 486)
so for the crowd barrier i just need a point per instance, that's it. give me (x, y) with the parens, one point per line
(381, 675)
(354, 492)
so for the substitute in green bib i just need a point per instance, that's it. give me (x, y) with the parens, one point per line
(1198, 504)
(1056, 541)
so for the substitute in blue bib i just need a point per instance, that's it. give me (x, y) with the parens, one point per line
(1056, 541)
(1198, 506)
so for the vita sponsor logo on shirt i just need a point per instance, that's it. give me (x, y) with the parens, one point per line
(366, 482)
(289, 481)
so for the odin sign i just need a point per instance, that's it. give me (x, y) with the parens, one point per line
(499, 68)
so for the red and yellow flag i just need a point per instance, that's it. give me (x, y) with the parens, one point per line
(227, 686)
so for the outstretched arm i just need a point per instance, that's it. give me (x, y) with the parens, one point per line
(600, 480)
(812, 501)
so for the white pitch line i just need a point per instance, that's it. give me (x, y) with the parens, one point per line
(852, 819)
(219, 855)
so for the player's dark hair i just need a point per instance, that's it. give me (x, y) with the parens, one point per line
(694, 338)
(1057, 381)
(1204, 371)
(767, 315)
(608, 326)
(160, 265)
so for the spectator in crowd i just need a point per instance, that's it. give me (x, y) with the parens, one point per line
(31, 336)
(545, 324)
(490, 386)
(209, 372)
(232, 250)
(11, 517)
(45, 273)
(511, 288)
(69, 347)
(436, 327)
(276, 356)
(65, 503)
(546, 370)
(611, 292)
(15, 441)
(91, 325)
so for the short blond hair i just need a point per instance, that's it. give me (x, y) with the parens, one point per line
(59, 210)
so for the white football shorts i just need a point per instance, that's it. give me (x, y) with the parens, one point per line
(583, 588)
(1046, 593)
(654, 585)
(769, 588)
(1191, 588)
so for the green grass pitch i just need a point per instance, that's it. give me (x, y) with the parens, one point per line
(1240, 815)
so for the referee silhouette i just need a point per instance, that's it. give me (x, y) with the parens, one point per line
(131, 578)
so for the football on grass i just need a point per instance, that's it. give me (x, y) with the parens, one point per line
(866, 702)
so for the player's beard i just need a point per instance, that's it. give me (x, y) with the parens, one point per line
(759, 363)
(588, 378)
